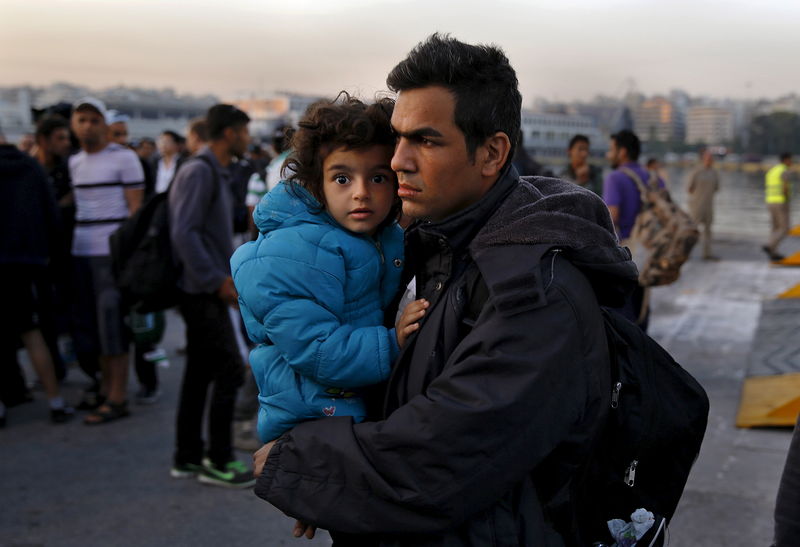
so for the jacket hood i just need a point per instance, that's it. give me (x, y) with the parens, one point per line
(551, 213)
(288, 205)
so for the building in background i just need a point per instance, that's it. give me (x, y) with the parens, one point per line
(548, 134)
(268, 112)
(709, 125)
(658, 120)
(16, 118)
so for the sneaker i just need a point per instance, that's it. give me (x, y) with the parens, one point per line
(233, 474)
(147, 396)
(158, 357)
(185, 470)
(61, 415)
(773, 256)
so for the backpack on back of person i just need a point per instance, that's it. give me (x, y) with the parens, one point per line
(142, 258)
(651, 438)
(666, 232)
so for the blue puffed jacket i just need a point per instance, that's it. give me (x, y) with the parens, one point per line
(312, 296)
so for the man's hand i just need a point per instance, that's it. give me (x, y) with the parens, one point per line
(408, 322)
(260, 458)
(227, 293)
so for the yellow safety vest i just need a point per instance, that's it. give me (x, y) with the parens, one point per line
(774, 184)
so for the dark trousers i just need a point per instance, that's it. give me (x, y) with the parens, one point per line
(145, 370)
(212, 358)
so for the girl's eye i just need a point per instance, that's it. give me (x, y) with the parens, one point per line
(378, 179)
(341, 179)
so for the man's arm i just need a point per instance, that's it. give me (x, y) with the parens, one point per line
(786, 178)
(613, 197)
(453, 451)
(690, 186)
(132, 176)
(189, 200)
(134, 197)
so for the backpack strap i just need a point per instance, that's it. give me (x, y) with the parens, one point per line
(639, 184)
(214, 175)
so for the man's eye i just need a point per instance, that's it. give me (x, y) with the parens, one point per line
(341, 179)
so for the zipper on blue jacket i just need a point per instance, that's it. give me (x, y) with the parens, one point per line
(378, 246)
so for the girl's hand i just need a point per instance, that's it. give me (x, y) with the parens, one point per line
(408, 322)
(302, 529)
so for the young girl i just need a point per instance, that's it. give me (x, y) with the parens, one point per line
(314, 285)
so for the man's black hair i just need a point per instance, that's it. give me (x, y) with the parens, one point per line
(176, 138)
(628, 140)
(786, 156)
(222, 116)
(49, 124)
(576, 139)
(479, 76)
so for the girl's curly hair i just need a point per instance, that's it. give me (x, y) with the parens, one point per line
(328, 125)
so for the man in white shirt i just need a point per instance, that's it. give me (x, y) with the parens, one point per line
(108, 184)
(169, 150)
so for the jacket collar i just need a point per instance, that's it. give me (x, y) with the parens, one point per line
(459, 229)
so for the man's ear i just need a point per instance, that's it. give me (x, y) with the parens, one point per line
(496, 150)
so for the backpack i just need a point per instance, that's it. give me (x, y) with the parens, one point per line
(141, 255)
(652, 435)
(650, 440)
(665, 231)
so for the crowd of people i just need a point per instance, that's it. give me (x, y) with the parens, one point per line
(391, 364)
(79, 181)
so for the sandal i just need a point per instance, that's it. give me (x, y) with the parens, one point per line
(107, 412)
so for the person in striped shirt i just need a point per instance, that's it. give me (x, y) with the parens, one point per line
(108, 185)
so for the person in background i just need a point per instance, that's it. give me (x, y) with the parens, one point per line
(778, 197)
(196, 136)
(169, 159)
(201, 231)
(108, 184)
(147, 329)
(623, 198)
(703, 183)
(145, 148)
(578, 169)
(26, 143)
(28, 244)
(51, 151)
(117, 127)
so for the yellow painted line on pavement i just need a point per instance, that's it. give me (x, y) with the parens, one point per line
(794, 292)
(770, 401)
(791, 260)
(795, 231)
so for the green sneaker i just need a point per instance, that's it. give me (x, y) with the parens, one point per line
(185, 470)
(233, 474)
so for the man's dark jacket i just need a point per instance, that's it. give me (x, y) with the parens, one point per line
(28, 215)
(490, 412)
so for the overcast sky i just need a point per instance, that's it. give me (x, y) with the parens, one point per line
(563, 49)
